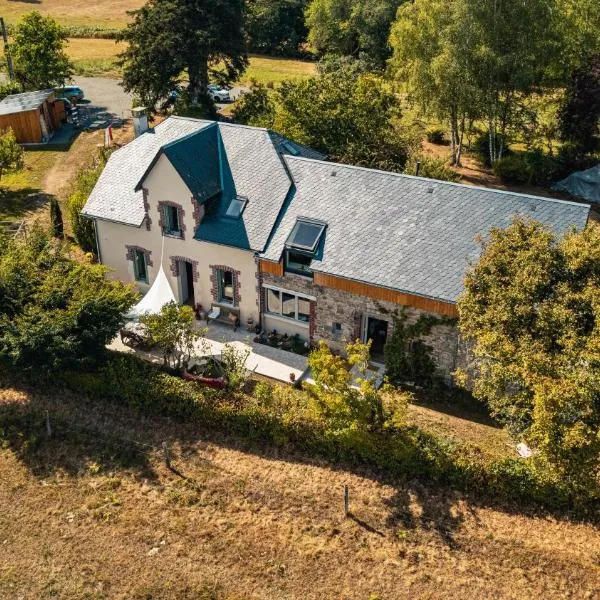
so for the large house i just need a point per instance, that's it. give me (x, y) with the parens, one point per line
(267, 230)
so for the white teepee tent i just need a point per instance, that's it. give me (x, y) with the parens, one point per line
(159, 294)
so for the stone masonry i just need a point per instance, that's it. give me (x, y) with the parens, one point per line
(349, 310)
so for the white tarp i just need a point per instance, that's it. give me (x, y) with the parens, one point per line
(584, 184)
(158, 295)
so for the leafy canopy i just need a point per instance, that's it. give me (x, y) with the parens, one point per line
(352, 117)
(276, 27)
(38, 53)
(168, 38)
(348, 403)
(531, 308)
(358, 28)
(55, 312)
(174, 331)
(11, 153)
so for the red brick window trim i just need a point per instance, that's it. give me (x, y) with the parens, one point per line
(215, 280)
(162, 205)
(175, 260)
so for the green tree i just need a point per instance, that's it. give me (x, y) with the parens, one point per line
(83, 228)
(358, 28)
(276, 27)
(255, 108)
(431, 54)
(38, 53)
(54, 312)
(169, 37)
(531, 309)
(349, 403)
(580, 110)
(11, 154)
(174, 331)
(56, 219)
(352, 117)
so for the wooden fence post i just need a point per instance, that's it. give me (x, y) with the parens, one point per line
(346, 501)
(165, 448)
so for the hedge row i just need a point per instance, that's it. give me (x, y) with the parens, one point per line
(408, 452)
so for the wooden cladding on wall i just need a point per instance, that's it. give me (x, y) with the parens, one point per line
(379, 293)
(266, 266)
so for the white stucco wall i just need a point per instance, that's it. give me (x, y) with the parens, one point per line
(164, 184)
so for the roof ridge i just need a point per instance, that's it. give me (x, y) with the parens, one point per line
(437, 181)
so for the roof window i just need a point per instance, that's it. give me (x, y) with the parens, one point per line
(306, 235)
(236, 207)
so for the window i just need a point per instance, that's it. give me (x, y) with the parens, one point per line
(297, 262)
(306, 235)
(226, 287)
(236, 207)
(288, 305)
(172, 225)
(301, 246)
(140, 268)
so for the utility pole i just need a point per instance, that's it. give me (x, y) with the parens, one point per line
(9, 63)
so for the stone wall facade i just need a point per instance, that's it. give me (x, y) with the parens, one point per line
(340, 316)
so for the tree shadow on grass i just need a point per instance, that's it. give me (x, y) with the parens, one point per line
(66, 448)
(15, 203)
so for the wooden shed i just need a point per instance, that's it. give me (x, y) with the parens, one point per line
(33, 116)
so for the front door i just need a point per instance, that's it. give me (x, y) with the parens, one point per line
(186, 283)
(377, 330)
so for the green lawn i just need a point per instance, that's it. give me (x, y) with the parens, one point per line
(19, 192)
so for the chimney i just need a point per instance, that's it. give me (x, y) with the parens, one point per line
(140, 120)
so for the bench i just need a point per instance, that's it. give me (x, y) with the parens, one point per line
(227, 315)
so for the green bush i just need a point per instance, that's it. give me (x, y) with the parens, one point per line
(435, 135)
(513, 169)
(435, 168)
(285, 416)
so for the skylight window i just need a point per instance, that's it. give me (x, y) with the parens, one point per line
(236, 207)
(291, 149)
(306, 235)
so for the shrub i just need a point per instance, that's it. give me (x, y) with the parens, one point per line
(436, 168)
(513, 169)
(435, 135)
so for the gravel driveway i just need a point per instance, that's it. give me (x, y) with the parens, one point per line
(106, 101)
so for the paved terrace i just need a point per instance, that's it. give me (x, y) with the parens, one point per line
(264, 360)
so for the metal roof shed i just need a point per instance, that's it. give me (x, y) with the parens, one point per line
(33, 116)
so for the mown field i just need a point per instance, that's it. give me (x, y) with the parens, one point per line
(96, 57)
(102, 14)
(93, 512)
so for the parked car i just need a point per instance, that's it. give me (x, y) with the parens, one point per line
(218, 94)
(69, 92)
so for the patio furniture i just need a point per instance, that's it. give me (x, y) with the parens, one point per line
(135, 335)
(227, 315)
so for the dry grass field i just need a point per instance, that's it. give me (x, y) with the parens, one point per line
(88, 513)
(104, 14)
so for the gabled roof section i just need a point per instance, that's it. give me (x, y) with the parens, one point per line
(406, 233)
(196, 159)
(251, 168)
(116, 196)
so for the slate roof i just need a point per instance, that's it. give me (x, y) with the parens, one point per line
(196, 159)
(23, 102)
(116, 196)
(406, 233)
(252, 166)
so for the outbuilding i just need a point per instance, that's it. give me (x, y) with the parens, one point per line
(33, 116)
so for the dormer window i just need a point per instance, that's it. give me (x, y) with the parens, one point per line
(302, 245)
(236, 207)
